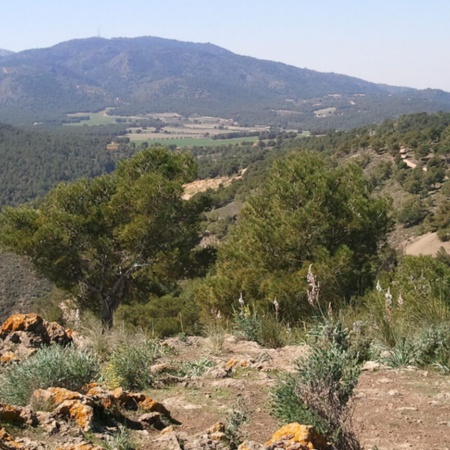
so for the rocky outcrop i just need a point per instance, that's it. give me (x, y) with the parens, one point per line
(22, 334)
(57, 410)
(213, 438)
(292, 436)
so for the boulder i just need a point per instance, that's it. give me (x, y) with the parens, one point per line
(23, 334)
(7, 441)
(301, 437)
(81, 413)
(17, 415)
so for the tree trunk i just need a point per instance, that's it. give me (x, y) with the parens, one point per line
(109, 306)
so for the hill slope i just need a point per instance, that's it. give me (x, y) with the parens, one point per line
(149, 74)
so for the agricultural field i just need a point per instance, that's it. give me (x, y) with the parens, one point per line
(172, 128)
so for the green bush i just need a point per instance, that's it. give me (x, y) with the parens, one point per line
(247, 323)
(129, 365)
(318, 394)
(433, 348)
(52, 366)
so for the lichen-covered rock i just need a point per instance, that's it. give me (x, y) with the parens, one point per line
(7, 442)
(8, 358)
(22, 334)
(75, 410)
(294, 435)
(22, 322)
(17, 415)
(67, 405)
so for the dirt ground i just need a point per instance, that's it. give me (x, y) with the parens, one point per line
(427, 244)
(393, 409)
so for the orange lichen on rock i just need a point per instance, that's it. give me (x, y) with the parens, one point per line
(10, 413)
(21, 322)
(8, 358)
(7, 442)
(55, 395)
(294, 433)
(235, 363)
(81, 413)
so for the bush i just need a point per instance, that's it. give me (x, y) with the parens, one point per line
(318, 394)
(433, 348)
(129, 366)
(52, 366)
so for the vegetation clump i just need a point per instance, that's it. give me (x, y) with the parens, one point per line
(53, 366)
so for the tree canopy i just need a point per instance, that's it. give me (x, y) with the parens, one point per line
(307, 212)
(102, 238)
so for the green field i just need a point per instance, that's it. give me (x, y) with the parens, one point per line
(196, 142)
(99, 118)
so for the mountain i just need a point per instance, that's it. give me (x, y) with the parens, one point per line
(4, 52)
(149, 74)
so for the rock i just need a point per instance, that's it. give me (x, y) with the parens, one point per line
(152, 420)
(7, 441)
(54, 396)
(80, 446)
(289, 436)
(220, 371)
(82, 414)
(57, 334)
(8, 358)
(372, 366)
(47, 422)
(251, 445)
(212, 439)
(236, 363)
(23, 322)
(23, 334)
(17, 415)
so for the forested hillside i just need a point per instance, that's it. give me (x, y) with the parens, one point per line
(149, 75)
(32, 161)
(401, 166)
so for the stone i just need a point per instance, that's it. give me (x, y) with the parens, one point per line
(252, 445)
(152, 420)
(22, 322)
(22, 334)
(8, 358)
(7, 442)
(17, 415)
(55, 395)
(292, 434)
(80, 446)
(75, 410)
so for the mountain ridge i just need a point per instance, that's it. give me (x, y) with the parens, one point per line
(148, 74)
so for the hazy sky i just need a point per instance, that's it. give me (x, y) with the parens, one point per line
(397, 42)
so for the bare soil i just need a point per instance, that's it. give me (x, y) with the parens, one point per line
(427, 244)
(393, 409)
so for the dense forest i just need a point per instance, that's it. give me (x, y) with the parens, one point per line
(34, 160)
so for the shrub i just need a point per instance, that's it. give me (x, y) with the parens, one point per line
(318, 394)
(52, 366)
(433, 348)
(233, 423)
(129, 365)
(120, 440)
(247, 323)
(194, 368)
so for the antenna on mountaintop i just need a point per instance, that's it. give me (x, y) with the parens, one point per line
(98, 32)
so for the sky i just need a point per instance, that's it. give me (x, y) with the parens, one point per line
(396, 42)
